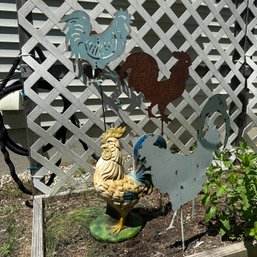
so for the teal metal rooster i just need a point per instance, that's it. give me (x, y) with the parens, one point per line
(97, 49)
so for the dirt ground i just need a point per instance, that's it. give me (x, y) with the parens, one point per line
(73, 237)
(67, 220)
(15, 222)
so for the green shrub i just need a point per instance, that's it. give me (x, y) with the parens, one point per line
(230, 193)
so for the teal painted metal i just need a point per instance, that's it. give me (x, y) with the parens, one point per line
(182, 177)
(97, 49)
(214, 103)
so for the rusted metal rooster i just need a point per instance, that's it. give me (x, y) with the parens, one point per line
(143, 78)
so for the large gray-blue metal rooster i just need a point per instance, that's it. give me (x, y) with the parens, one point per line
(97, 49)
(182, 177)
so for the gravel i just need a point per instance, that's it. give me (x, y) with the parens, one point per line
(7, 179)
(25, 177)
(81, 177)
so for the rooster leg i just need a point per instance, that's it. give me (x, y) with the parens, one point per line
(164, 116)
(117, 228)
(172, 221)
(149, 110)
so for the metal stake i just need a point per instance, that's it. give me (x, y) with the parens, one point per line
(104, 117)
(182, 229)
(193, 208)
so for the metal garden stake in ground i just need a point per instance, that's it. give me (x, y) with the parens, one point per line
(182, 177)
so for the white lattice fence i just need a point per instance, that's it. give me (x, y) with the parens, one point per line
(203, 29)
(250, 58)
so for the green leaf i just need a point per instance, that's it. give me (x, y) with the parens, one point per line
(246, 158)
(226, 224)
(206, 199)
(221, 190)
(222, 231)
(227, 163)
(210, 213)
(240, 181)
(205, 189)
(232, 178)
(252, 232)
(243, 146)
(215, 202)
(255, 227)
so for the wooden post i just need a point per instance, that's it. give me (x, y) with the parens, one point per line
(29, 105)
(37, 246)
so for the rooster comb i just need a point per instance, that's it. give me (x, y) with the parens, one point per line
(113, 132)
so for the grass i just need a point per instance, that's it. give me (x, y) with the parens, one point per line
(15, 223)
(66, 231)
(12, 233)
(5, 249)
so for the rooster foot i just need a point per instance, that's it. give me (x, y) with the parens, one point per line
(117, 228)
(150, 114)
(164, 118)
(97, 81)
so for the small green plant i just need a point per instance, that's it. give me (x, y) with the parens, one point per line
(230, 193)
(5, 249)
(8, 239)
(80, 172)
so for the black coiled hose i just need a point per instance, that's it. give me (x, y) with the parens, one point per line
(7, 142)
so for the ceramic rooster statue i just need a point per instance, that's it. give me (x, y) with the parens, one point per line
(143, 78)
(97, 49)
(120, 190)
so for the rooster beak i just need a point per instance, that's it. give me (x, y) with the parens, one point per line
(103, 146)
(63, 19)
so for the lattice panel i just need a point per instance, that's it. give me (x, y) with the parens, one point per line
(201, 28)
(250, 59)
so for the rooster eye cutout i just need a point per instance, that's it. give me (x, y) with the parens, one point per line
(97, 49)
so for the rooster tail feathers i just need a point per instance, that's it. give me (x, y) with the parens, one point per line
(217, 103)
(131, 63)
(160, 142)
(123, 71)
(141, 173)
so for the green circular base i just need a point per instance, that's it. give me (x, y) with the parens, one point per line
(100, 228)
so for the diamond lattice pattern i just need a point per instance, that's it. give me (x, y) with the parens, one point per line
(206, 30)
